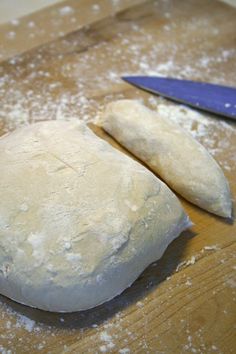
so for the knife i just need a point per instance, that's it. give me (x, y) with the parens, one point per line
(208, 97)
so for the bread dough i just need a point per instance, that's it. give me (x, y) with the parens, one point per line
(79, 220)
(182, 162)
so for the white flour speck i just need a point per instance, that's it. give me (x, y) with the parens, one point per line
(103, 349)
(67, 245)
(15, 22)
(31, 24)
(107, 338)
(211, 248)
(11, 35)
(188, 282)
(66, 10)
(24, 207)
(3, 350)
(25, 322)
(8, 324)
(104, 336)
(96, 7)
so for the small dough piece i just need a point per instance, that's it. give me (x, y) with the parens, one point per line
(182, 162)
(79, 220)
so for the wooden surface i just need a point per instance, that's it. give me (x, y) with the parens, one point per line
(185, 302)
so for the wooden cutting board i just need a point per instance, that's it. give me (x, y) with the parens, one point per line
(67, 63)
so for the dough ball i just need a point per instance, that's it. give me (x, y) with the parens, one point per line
(79, 220)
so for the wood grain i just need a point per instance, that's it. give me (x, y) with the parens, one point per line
(51, 23)
(185, 302)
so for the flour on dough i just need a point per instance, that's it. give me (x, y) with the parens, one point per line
(79, 220)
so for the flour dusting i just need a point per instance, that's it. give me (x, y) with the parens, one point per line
(43, 95)
(66, 10)
(68, 80)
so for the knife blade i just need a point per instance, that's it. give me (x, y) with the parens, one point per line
(205, 96)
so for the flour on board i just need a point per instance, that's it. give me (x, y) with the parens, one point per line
(32, 93)
(25, 102)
